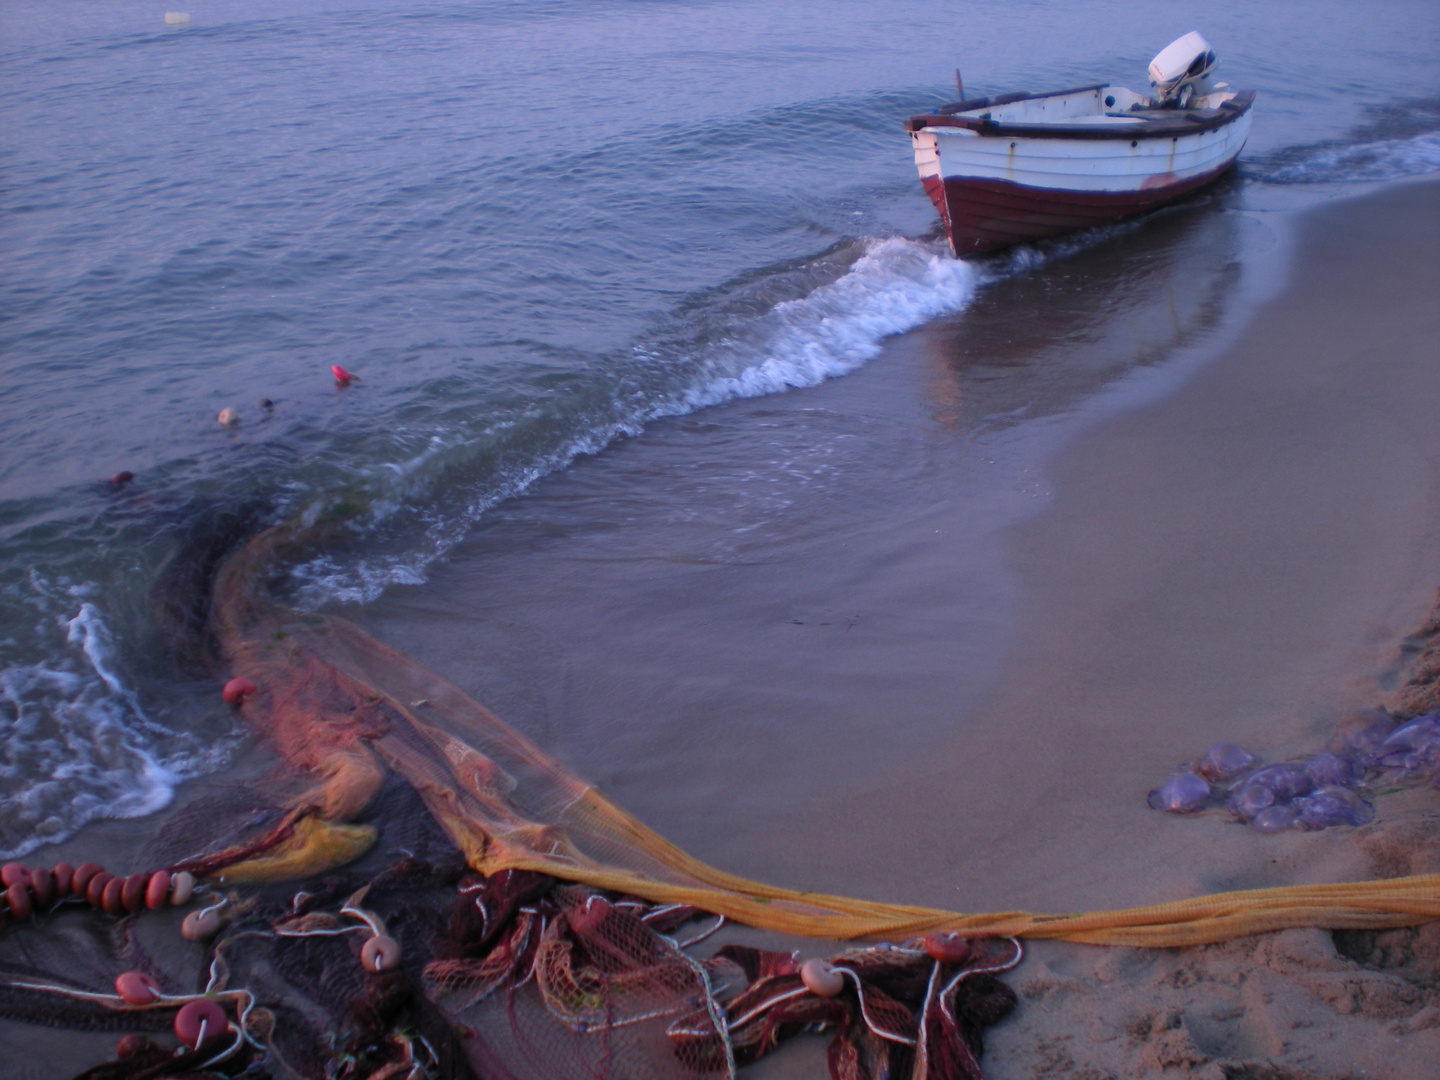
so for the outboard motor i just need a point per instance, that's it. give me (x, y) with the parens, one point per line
(1179, 74)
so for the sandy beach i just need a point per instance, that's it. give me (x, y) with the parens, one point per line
(1241, 559)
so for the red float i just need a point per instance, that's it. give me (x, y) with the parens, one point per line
(132, 893)
(137, 988)
(95, 891)
(157, 890)
(21, 907)
(42, 884)
(947, 948)
(199, 1021)
(81, 878)
(110, 898)
(585, 918)
(237, 690)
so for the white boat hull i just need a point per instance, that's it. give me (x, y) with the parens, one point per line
(1012, 173)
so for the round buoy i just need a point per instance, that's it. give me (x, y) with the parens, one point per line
(948, 948)
(64, 875)
(120, 479)
(228, 417)
(21, 906)
(199, 1021)
(584, 918)
(132, 893)
(137, 988)
(111, 900)
(379, 953)
(95, 891)
(341, 375)
(201, 925)
(130, 1045)
(181, 886)
(157, 889)
(42, 885)
(821, 979)
(81, 878)
(13, 872)
(237, 690)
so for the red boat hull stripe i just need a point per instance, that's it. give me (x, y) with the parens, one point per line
(981, 215)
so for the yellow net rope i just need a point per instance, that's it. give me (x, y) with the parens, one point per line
(343, 707)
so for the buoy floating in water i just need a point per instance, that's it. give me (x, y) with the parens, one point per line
(120, 479)
(342, 376)
(177, 18)
(228, 417)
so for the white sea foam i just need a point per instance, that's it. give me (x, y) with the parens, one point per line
(897, 285)
(1380, 159)
(75, 742)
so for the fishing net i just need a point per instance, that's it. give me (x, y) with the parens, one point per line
(543, 932)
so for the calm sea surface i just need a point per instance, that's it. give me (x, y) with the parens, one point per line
(531, 229)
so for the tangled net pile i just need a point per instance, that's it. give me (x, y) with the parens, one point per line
(548, 933)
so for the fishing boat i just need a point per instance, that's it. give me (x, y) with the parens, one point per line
(1019, 167)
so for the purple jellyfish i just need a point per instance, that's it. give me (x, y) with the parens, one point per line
(1333, 806)
(1330, 770)
(1224, 760)
(1286, 781)
(1274, 819)
(1248, 799)
(1183, 793)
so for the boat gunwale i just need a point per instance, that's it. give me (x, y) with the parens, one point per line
(1180, 125)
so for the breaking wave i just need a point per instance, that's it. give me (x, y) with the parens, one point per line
(75, 743)
(1400, 141)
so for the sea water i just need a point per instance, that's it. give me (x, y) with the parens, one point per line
(532, 229)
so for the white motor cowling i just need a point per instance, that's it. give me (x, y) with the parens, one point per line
(1180, 72)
